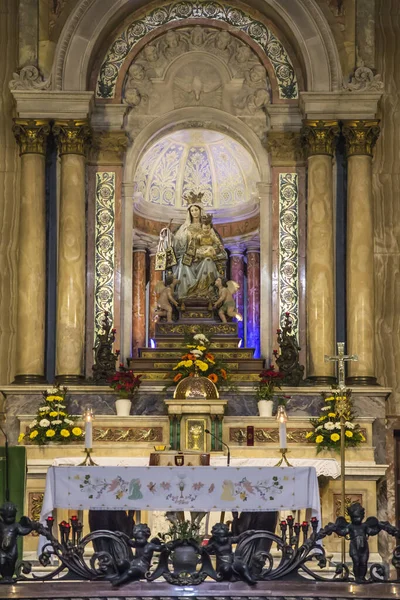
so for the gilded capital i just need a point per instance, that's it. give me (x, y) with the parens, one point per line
(108, 147)
(72, 136)
(31, 135)
(360, 136)
(319, 137)
(285, 148)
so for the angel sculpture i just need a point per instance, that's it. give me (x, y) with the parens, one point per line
(225, 301)
(165, 299)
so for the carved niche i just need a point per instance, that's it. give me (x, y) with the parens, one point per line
(196, 66)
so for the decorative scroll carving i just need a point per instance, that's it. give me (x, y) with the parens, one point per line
(364, 80)
(285, 147)
(289, 249)
(29, 78)
(236, 53)
(35, 502)
(108, 147)
(104, 248)
(127, 434)
(319, 137)
(31, 135)
(72, 136)
(360, 136)
(266, 435)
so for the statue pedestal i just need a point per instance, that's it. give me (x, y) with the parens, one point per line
(189, 420)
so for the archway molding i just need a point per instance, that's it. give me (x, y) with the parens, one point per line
(89, 24)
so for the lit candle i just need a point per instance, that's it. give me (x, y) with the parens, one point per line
(282, 418)
(88, 427)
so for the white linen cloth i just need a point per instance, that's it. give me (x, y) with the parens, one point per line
(201, 489)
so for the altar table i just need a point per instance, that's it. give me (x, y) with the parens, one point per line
(198, 489)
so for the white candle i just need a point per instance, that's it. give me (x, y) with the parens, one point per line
(282, 434)
(88, 428)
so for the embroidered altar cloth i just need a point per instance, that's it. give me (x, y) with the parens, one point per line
(200, 489)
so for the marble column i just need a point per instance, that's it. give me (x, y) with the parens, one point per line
(319, 138)
(253, 299)
(155, 277)
(139, 299)
(236, 269)
(31, 135)
(72, 138)
(266, 297)
(360, 139)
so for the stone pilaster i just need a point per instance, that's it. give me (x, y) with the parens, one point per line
(31, 135)
(360, 139)
(265, 268)
(236, 269)
(139, 299)
(72, 137)
(155, 277)
(319, 138)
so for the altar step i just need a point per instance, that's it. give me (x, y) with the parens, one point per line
(222, 354)
(163, 375)
(240, 364)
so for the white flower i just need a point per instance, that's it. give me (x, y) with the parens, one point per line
(44, 409)
(325, 408)
(200, 336)
(337, 425)
(319, 427)
(44, 423)
(68, 421)
(329, 426)
(197, 353)
(52, 391)
(56, 422)
(349, 425)
(59, 405)
(31, 425)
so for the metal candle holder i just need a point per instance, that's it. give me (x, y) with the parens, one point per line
(88, 461)
(283, 460)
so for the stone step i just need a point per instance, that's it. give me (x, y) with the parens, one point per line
(220, 353)
(209, 329)
(159, 375)
(145, 364)
(177, 342)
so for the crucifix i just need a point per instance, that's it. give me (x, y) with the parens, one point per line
(340, 358)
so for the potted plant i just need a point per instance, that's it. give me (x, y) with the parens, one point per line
(183, 539)
(126, 384)
(270, 380)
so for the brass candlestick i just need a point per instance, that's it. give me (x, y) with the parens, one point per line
(283, 460)
(88, 461)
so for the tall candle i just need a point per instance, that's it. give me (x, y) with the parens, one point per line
(88, 428)
(282, 434)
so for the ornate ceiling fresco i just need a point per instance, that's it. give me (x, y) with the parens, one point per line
(200, 161)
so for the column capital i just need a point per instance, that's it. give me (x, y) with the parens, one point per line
(31, 135)
(319, 136)
(108, 147)
(285, 148)
(360, 136)
(72, 135)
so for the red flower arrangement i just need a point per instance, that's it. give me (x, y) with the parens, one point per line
(269, 381)
(125, 382)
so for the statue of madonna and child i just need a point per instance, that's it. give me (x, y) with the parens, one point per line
(195, 260)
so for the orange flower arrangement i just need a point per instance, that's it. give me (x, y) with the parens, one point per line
(198, 357)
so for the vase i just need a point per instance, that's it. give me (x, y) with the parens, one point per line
(184, 559)
(123, 407)
(265, 408)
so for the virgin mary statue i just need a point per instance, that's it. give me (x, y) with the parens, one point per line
(201, 257)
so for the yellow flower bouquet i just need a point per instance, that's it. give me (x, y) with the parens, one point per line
(52, 422)
(197, 356)
(326, 433)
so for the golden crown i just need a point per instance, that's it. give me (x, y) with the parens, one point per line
(193, 198)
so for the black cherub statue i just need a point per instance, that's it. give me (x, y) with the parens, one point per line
(9, 533)
(227, 564)
(104, 357)
(138, 567)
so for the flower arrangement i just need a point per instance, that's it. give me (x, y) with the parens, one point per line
(181, 530)
(125, 382)
(327, 428)
(270, 380)
(198, 357)
(52, 422)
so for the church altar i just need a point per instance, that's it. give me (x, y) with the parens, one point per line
(181, 488)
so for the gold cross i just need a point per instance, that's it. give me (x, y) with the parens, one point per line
(340, 358)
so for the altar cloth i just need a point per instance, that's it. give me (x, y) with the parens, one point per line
(199, 489)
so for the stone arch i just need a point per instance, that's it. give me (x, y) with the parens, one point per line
(87, 25)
